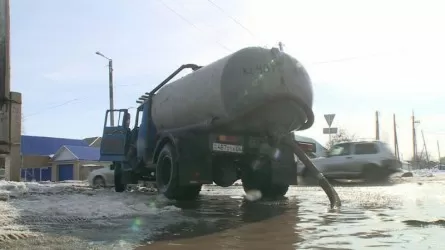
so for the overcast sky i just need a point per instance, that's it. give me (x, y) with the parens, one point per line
(362, 56)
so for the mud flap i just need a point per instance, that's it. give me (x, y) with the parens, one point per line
(194, 160)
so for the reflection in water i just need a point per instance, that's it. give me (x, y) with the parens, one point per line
(380, 217)
(418, 223)
(235, 224)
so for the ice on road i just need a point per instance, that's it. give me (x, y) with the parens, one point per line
(32, 209)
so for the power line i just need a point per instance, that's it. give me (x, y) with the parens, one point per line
(73, 101)
(52, 107)
(345, 59)
(234, 20)
(434, 133)
(192, 24)
(126, 85)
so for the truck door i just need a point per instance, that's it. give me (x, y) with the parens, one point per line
(112, 146)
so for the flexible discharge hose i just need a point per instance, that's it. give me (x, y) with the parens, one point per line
(322, 181)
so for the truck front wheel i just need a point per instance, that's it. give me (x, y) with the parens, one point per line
(167, 176)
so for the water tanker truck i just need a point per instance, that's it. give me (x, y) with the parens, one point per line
(227, 121)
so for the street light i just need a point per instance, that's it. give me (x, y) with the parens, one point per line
(110, 80)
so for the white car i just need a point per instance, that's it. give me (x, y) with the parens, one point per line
(103, 177)
(369, 160)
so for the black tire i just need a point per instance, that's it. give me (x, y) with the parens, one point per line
(189, 192)
(119, 186)
(167, 177)
(261, 180)
(99, 182)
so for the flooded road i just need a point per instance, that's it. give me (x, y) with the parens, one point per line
(404, 216)
(408, 215)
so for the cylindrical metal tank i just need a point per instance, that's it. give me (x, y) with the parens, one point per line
(254, 89)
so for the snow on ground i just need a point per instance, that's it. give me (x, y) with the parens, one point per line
(31, 209)
(77, 199)
(428, 172)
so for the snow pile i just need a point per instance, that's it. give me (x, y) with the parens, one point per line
(428, 172)
(422, 173)
(19, 189)
(100, 205)
(77, 199)
(9, 188)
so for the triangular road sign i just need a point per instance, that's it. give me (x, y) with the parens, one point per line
(329, 118)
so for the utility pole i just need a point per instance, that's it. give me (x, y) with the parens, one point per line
(110, 90)
(396, 143)
(110, 85)
(10, 104)
(438, 151)
(414, 122)
(4, 77)
(377, 126)
(426, 150)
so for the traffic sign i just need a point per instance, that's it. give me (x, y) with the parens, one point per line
(330, 131)
(329, 118)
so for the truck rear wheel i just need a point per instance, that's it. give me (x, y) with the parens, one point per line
(261, 180)
(119, 186)
(167, 176)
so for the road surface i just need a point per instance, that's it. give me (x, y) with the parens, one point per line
(407, 214)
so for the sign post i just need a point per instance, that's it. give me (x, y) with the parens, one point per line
(329, 130)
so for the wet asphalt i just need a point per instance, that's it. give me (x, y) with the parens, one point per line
(404, 214)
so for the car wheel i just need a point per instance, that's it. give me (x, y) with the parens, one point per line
(98, 182)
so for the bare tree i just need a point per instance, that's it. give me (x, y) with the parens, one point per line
(341, 136)
(422, 161)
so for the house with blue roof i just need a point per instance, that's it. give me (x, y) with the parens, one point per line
(57, 159)
(72, 162)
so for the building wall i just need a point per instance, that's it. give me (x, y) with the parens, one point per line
(35, 161)
(77, 166)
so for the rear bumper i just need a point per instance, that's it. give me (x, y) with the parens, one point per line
(393, 166)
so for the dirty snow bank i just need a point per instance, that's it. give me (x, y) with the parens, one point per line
(18, 189)
(427, 172)
(100, 205)
(76, 199)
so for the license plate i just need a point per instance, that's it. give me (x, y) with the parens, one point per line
(227, 148)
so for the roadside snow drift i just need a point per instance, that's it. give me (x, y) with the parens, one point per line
(76, 199)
